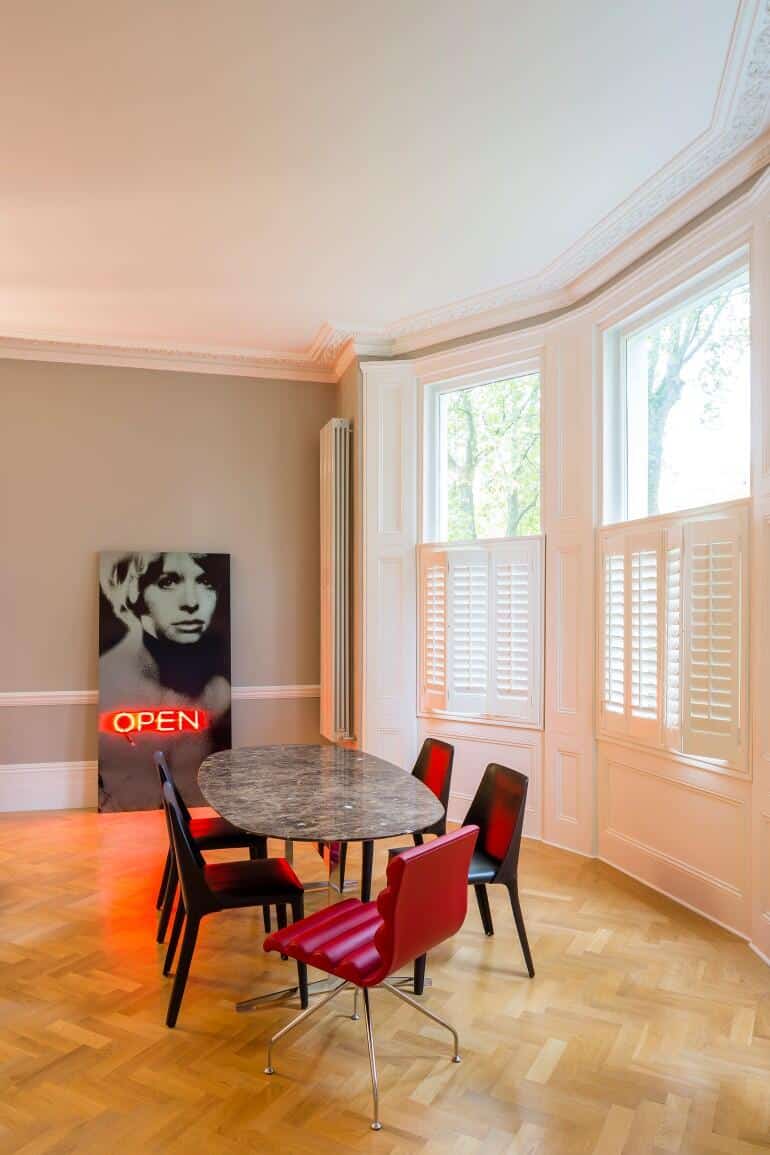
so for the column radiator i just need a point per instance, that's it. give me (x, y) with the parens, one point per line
(336, 565)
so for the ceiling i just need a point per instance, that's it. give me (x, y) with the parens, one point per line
(235, 175)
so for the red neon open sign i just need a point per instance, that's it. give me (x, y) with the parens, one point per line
(148, 721)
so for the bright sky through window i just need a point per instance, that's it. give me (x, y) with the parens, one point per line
(688, 398)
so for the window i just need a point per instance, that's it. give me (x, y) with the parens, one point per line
(483, 457)
(481, 629)
(673, 670)
(677, 418)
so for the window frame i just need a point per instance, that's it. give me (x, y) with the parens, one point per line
(520, 366)
(614, 457)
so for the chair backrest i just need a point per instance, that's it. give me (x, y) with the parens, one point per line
(434, 768)
(189, 860)
(164, 774)
(498, 811)
(425, 899)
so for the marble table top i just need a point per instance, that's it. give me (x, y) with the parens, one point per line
(310, 793)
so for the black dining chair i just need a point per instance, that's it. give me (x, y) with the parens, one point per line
(213, 833)
(498, 810)
(211, 887)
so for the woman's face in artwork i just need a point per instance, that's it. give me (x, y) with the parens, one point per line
(181, 600)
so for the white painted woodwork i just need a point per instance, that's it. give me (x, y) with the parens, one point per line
(389, 602)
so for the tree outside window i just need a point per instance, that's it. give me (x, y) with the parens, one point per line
(688, 397)
(489, 461)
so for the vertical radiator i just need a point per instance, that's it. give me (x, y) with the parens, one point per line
(336, 562)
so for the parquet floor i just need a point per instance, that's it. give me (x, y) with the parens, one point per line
(647, 1029)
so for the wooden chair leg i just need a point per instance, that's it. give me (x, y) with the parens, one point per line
(513, 891)
(419, 974)
(180, 980)
(482, 898)
(163, 881)
(174, 938)
(168, 902)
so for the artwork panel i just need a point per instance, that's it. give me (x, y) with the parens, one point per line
(164, 671)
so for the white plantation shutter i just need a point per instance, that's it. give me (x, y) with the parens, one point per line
(614, 634)
(468, 633)
(434, 581)
(481, 629)
(516, 622)
(714, 664)
(672, 706)
(642, 647)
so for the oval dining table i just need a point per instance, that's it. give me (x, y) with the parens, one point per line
(319, 793)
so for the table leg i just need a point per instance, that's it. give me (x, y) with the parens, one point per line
(367, 856)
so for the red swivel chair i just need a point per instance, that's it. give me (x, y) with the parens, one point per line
(362, 943)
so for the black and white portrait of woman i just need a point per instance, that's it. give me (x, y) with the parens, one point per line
(164, 671)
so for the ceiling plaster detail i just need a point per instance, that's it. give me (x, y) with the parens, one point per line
(730, 150)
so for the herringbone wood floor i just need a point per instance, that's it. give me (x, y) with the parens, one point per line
(646, 1028)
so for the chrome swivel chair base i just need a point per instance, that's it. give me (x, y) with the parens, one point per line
(376, 1125)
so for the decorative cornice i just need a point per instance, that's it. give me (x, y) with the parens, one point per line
(91, 697)
(728, 152)
(732, 149)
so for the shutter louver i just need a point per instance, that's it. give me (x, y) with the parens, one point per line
(614, 633)
(713, 703)
(433, 671)
(481, 629)
(516, 631)
(643, 651)
(469, 631)
(673, 654)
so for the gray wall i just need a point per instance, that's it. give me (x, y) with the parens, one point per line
(94, 458)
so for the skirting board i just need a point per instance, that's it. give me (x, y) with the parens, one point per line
(48, 786)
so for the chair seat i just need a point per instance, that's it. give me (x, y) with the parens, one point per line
(219, 834)
(242, 882)
(338, 940)
(482, 868)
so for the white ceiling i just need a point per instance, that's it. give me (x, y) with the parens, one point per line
(233, 174)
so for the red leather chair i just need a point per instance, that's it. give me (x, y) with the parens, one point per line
(362, 943)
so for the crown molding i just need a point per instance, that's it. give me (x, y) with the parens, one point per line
(226, 362)
(734, 147)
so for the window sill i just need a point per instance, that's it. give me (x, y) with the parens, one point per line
(480, 720)
(713, 767)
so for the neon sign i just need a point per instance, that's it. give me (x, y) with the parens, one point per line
(148, 721)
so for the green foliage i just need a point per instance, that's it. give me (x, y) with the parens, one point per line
(701, 346)
(491, 435)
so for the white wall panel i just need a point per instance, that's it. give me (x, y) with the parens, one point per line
(476, 745)
(682, 829)
(389, 602)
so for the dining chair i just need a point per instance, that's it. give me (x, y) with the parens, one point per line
(211, 887)
(213, 833)
(497, 810)
(363, 943)
(434, 769)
